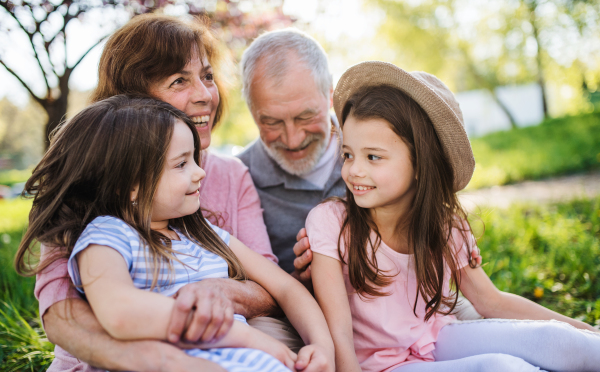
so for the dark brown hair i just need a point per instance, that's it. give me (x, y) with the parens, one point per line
(151, 47)
(434, 212)
(93, 162)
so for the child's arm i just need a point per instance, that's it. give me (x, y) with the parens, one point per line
(242, 335)
(124, 311)
(330, 291)
(297, 303)
(493, 303)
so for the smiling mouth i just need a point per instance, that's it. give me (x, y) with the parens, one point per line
(362, 188)
(201, 121)
(194, 192)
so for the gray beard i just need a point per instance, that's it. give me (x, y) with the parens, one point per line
(300, 166)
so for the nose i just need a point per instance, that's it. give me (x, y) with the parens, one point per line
(293, 136)
(356, 169)
(200, 93)
(198, 174)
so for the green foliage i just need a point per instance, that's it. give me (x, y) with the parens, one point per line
(555, 248)
(24, 345)
(557, 146)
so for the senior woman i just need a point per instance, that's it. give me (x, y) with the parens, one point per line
(177, 62)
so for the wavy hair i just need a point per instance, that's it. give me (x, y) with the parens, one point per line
(151, 47)
(434, 211)
(93, 162)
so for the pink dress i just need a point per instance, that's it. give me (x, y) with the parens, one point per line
(386, 332)
(227, 189)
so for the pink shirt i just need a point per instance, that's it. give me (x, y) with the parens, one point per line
(386, 332)
(227, 189)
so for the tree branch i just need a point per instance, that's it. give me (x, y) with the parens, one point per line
(89, 50)
(35, 97)
(30, 36)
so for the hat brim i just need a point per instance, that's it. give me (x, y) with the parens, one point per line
(446, 121)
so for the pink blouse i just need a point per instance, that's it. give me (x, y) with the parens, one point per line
(386, 332)
(227, 190)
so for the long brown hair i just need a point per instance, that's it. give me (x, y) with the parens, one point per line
(151, 47)
(434, 212)
(93, 162)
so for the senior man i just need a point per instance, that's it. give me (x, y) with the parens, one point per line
(295, 164)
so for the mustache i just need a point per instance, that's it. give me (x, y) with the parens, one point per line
(310, 138)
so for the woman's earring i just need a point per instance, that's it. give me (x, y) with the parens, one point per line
(134, 203)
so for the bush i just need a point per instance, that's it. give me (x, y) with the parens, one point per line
(555, 147)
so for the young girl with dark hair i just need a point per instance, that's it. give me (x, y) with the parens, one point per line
(117, 193)
(390, 258)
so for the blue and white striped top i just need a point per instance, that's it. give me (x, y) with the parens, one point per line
(196, 264)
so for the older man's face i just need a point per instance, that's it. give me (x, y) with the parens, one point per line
(293, 118)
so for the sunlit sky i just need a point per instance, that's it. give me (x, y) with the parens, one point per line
(334, 25)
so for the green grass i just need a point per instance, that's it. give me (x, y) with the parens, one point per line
(557, 146)
(24, 346)
(555, 248)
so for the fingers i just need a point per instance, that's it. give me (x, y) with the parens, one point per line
(301, 246)
(302, 261)
(290, 359)
(212, 319)
(208, 324)
(180, 316)
(476, 255)
(311, 359)
(227, 324)
(301, 234)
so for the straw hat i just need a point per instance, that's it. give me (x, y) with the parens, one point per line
(431, 94)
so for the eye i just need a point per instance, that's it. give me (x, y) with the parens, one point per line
(177, 81)
(181, 165)
(210, 76)
(347, 156)
(373, 157)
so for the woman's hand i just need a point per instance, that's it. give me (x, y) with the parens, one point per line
(312, 358)
(303, 259)
(202, 313)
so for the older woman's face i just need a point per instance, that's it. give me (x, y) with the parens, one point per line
(193, 91)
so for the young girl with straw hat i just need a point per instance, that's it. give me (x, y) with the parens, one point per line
(390, 258)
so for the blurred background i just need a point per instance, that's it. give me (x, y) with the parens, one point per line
(526, 73)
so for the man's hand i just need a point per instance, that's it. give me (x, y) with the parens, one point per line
(202, 312)
(303, 259)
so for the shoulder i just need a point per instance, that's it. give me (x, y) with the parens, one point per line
(224, 235)
(109, 225)
(333, 208)
(224, 163)
(249, 152)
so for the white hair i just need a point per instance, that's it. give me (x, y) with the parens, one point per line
(271, 49)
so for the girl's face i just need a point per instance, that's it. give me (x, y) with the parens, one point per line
(193, 91)
(178, 192)
(377, 166)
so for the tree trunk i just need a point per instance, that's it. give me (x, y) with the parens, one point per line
(513, 123)
(57, 108)
(538, 57)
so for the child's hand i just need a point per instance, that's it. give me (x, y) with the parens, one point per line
(312, 358)
(277, 349)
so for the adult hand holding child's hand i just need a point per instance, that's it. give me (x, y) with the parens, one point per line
(202, 313)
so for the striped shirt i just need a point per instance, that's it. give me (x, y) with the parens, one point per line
(196, 264)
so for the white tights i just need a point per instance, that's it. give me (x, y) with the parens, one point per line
(497, 345)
